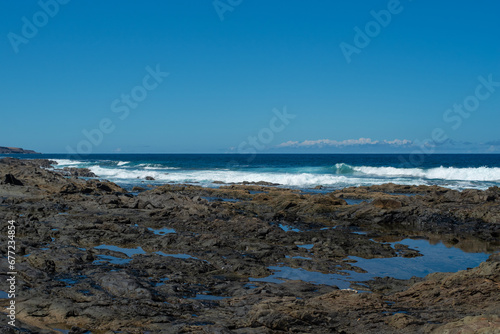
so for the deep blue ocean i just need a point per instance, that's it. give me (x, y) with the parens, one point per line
(305, 171)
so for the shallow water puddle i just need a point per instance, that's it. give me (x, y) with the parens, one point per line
(250, 286)
(161, 281)
(255, 192)
(308, 246)
(3, 294)
(127, 251)
(298, 257)
(281, 274)
(208, 297)
(359, 232)
(354, 201)
(64, 331)
(131, 252)
(288, 228)
(221, 199)
(178, 256)
(67, 331)
(116, 260)
(330, 227)
(71, 281)
(110, 259)
(436, 258)
(404, 194)
(162, 231)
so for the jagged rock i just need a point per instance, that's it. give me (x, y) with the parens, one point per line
(11, 179)
(484, 324)
(78, 172)
(387, 203)
(121, 284)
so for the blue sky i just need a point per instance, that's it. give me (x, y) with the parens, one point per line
(233, 66)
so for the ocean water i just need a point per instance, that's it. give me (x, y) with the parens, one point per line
(304, 171)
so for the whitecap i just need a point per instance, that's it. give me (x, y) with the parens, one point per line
(67, 162)
(442, 173)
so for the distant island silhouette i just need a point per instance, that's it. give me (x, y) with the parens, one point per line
(17, 150)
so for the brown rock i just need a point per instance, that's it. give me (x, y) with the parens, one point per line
(388, 204)
(401, 320)
(483, 324)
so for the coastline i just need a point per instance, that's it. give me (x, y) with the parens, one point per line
(16, 150)
(227, 238)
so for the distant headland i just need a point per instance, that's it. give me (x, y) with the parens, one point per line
(10, 150)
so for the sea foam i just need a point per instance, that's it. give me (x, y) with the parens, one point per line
(67, 162)
(440, 173)
(227, 176)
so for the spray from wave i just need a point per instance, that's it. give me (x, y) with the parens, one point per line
(67, 162)
(338, 176)
(491, 174)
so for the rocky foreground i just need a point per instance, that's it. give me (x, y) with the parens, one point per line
(69, 278)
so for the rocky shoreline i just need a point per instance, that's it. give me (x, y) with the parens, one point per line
(16, 150)
(94, 257)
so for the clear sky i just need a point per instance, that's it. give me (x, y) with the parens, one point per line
(274, 76)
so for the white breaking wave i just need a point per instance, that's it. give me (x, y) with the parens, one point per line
(67, 162)
(207, 177)
(160, 168)
(155, 166)
(339, 176)
(442, 173)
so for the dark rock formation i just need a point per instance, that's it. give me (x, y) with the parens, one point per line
(78, 172)
(15, 150)
(11, 179)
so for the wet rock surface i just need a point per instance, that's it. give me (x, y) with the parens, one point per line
(92, 256)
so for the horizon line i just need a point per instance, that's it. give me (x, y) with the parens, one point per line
(263, 153)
